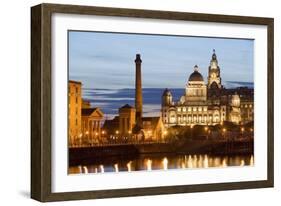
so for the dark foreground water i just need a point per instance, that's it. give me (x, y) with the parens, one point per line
(161, 162)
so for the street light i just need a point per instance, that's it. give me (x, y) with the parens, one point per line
(191, 130)
(87, 136)
(80, 138)
(224, 130)
(206, 130)
(242, 130)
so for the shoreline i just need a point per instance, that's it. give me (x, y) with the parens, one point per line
(87, 155)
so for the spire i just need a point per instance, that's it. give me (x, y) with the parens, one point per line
(214, 56)
(196, 68)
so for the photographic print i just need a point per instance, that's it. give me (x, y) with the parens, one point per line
(141, 102)
(131, 102)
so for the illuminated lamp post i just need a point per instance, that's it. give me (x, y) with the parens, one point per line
(149, 134)
(242, 131)
(117, 133)
(206, 131)
(96, 137)
(130, 135)
(191, 130)
(223, 131)
(102, 135)
(165, 134)
(80, 139)
(87, 136)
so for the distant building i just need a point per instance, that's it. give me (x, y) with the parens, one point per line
(74, 111)
(91, 125)
(153, 128)
(127, 119)
(124, 126)
(208, 104)
(86, 104)
(111, 127)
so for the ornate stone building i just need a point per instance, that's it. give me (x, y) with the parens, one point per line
(208, 104)
(91, 125)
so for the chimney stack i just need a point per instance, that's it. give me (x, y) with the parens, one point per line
(138, 92)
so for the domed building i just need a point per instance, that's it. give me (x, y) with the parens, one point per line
(207, 104)
(195, 90)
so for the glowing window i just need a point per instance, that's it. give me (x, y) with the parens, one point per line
(172, 119)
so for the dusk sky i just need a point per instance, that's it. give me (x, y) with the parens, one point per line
(104, 63)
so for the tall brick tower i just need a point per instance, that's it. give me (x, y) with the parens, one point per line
(138, 92)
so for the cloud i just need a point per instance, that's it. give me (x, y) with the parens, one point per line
(234, 84)
(110, 100)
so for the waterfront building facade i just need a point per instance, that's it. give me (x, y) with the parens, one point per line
(91, 125)
(208, 104)
(84, 122)
(127, 119)
(74, 111)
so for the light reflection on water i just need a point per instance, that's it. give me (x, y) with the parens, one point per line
(164, 163)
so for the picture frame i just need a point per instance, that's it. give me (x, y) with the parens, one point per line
(41, 101)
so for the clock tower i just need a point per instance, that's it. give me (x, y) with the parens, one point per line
(214, 79)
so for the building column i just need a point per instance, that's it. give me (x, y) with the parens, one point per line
(89, 126)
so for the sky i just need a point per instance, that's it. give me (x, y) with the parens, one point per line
(104, 63)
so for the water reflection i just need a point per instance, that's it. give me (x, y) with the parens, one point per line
(148, 164)
(129, 166)
(85, 170)
(163, 162)
(101, 169)
(116, 167)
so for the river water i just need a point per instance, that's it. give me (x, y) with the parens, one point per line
(161, 162)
